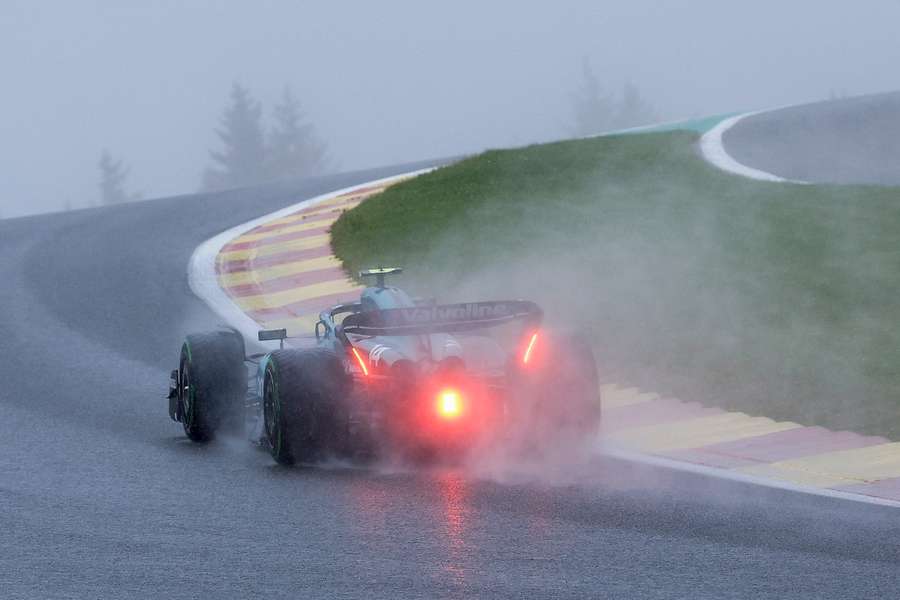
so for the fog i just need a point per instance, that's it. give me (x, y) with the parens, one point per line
(389, 82)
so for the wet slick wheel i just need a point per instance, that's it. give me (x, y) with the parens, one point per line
(212, 382)
(303, 391)
(556, 394)
(573, 377)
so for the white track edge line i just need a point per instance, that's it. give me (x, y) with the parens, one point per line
(713, 150)
(202, 265)
(720, 473)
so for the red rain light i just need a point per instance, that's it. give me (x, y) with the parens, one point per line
(531, 344)
(449, 403)
(359, 359)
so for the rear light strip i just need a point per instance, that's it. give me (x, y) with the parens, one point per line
(359, 359)
(531, 343)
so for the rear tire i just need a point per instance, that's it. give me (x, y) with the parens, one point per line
(212, 382)
(303, 394)
(557, 399)
(573, 377)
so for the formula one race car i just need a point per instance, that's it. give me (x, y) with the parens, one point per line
(391, 375)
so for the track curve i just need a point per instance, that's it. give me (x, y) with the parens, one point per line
(101, 496)
(849, 141)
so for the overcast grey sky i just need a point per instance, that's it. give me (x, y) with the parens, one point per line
(386, 82)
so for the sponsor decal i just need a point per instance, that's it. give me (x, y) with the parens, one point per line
(472, 311)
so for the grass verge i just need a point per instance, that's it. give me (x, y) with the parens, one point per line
(774, 299)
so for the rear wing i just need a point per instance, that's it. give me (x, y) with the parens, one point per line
(441, 318)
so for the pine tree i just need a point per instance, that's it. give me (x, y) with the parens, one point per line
(593, 108)
(242, 159)
(294, 149)
(112, 180)
(633, 110)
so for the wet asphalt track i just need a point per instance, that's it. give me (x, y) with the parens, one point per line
(856, 140)
(102, 497)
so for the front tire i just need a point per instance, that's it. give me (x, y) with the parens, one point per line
(212, 382)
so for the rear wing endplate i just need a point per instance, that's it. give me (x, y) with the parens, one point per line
(270, 335)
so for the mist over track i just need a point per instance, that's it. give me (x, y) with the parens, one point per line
(101, 495)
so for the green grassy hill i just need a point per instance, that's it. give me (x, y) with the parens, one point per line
(775, 299)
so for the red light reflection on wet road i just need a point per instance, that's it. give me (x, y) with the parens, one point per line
(454, 492)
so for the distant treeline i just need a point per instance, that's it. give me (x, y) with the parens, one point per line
(598, 111)
(250, 154)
